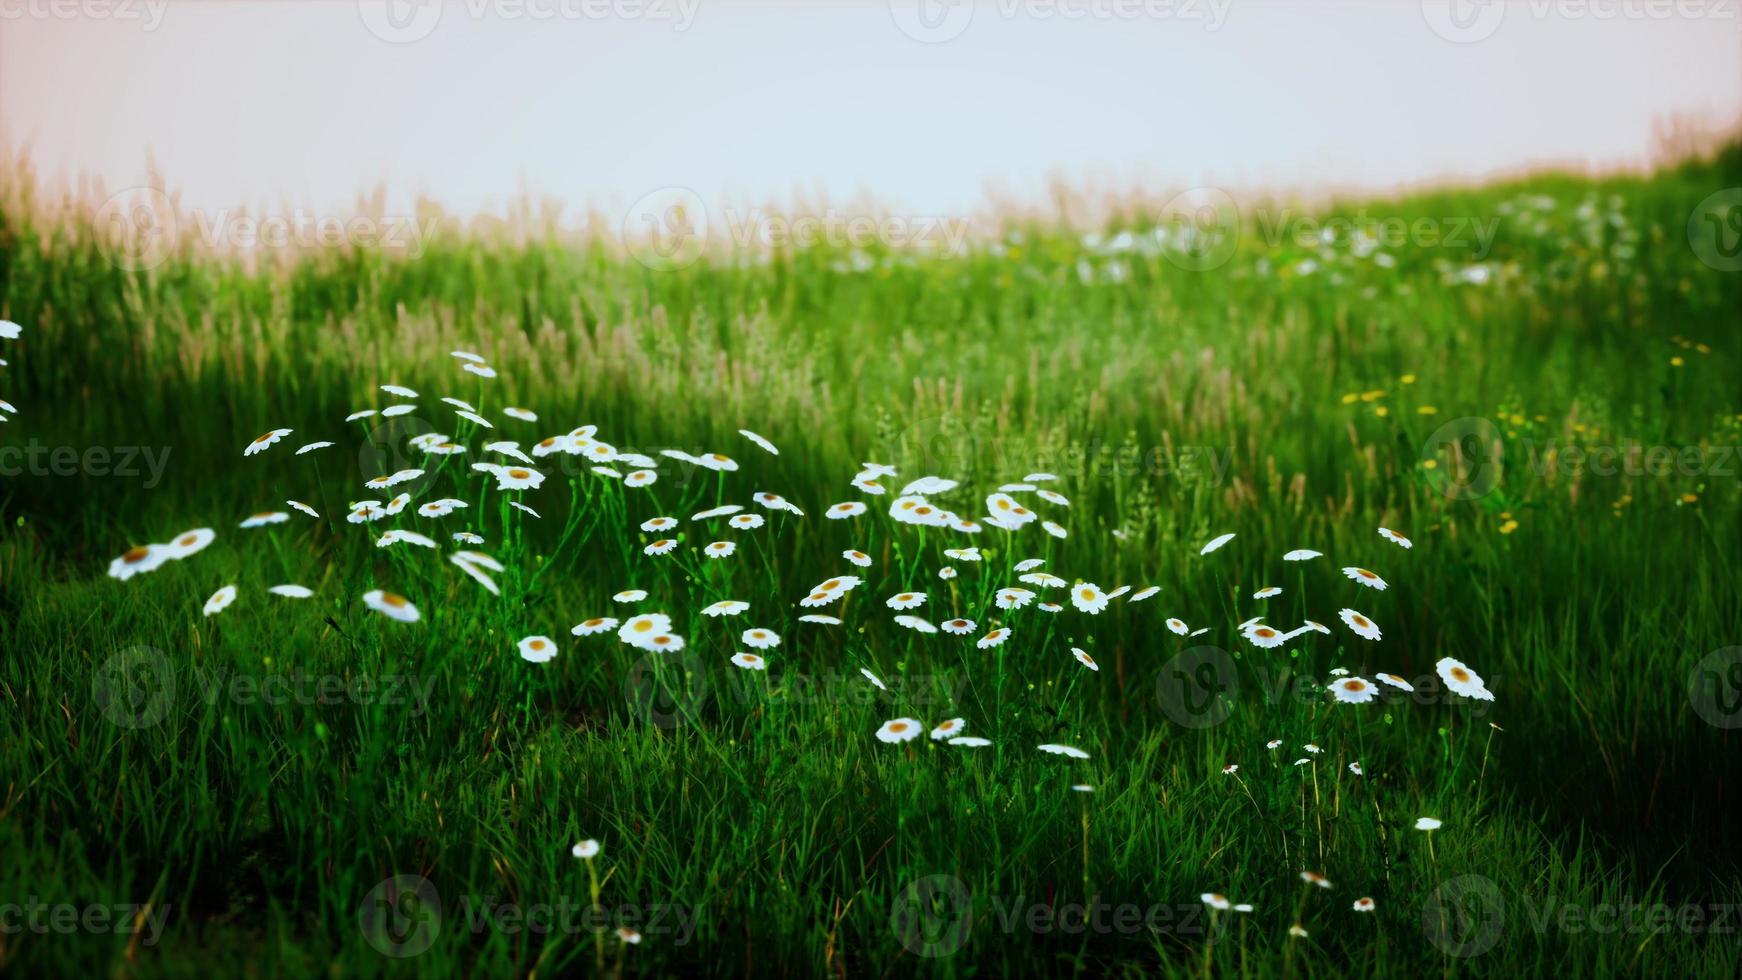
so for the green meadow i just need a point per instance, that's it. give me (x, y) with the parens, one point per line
(1535, 382)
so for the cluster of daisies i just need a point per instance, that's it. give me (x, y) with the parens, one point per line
(1012, 507)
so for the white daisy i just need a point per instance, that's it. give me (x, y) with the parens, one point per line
(311, 447)
(1029, 564)
(220, 600)
(395, 607)
(1178, 626)
(410, 537)
(1462, 680)
(948, 729)
(1353, 690)
(1045, 580)
(1428, 823)
(517, 505)
(481, 370)
(265, 442)
(1301, 554)
(594, 626)
(659, 524)
(393, 411)
(1055, 529)
(292, 591)
(661, 547)
(1267, 592)
(824, 620)
(857, 557)
(524, 415)
(399, 391)
(916, 624)
(1395, 681)
(1064, 750)
(640, 478)
(906, 600)
(1264, 637)
(1085, 659)
(970, 742)
(1216, 542)
(1088, 597)
(189, 543)
(720, 511)
(1363, 576)
(302, 507)
(746, 522)
(630, 595)
(1363, 627)
(875, 682)
(760, 639)
(758, 440)
(992, 639)
(725, 607)
(1013, 598)
(720, 549)
(265, 518)
(749, 661)
(899, 730)
(537, 649)
(1395, 538)
(467, 537)
(959, 627)
(1144, 593)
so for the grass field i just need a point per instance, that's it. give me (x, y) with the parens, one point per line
(299, 787)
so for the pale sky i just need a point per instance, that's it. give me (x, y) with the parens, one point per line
(479, 102)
